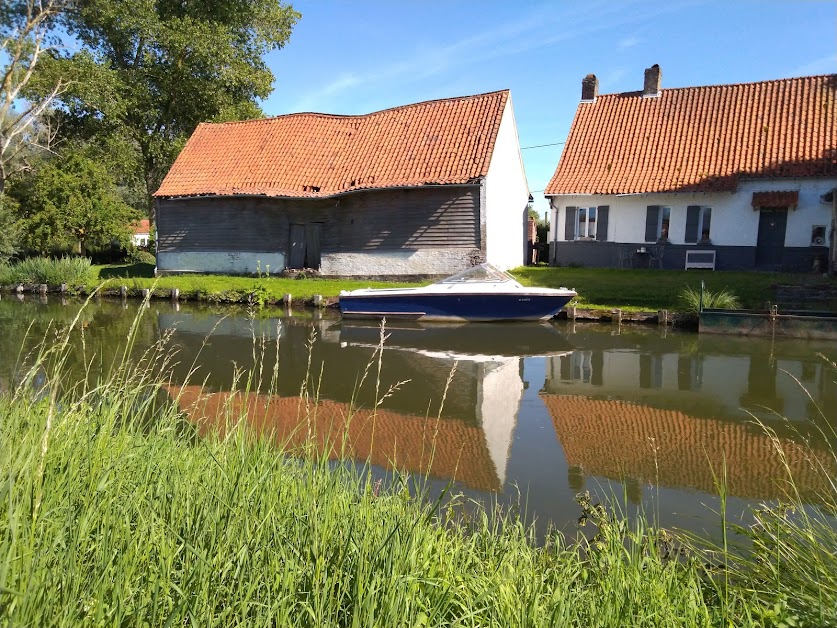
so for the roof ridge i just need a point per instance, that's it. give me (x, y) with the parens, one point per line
(320, 114)
(743, 83)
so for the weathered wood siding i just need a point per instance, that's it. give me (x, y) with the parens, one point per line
(379, 220)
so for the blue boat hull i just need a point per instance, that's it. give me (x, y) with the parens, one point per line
(460, 307)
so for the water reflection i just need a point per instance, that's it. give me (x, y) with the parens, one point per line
(551, 409)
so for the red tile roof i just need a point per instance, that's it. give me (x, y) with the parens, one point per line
(446, 141)
(776, 199)
(142, 226)
(700, 138)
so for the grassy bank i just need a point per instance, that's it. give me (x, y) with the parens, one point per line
(599, 288)
(115, 512)
(659, 289)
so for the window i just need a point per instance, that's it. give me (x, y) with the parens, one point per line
(586, 224)
(663, 223)
(698, 223)
(657, 221)
(818, 235)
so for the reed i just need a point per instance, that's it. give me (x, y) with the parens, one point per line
(690, 299)
(45, 270)
(116, 512)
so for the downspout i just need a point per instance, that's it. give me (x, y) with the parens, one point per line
(832, 250)
(483, 227)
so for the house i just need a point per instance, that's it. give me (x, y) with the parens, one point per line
(141, 233)
(423, 189)
(724, 176)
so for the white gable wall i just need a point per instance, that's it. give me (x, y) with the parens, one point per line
(734, 222)
(506, 197)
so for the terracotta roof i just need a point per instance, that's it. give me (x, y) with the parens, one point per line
(446, 141)
(776, 199)
(142, 226)
(700, 138)
(446, 448)
(618, 439)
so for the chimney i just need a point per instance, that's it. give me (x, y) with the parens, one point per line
(589, 88)
(651, 89)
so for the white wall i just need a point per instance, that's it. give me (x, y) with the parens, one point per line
(239, 263)
(427, 262)
(734, 222)
(506, 197)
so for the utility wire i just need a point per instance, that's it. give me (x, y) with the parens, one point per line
(542, 145)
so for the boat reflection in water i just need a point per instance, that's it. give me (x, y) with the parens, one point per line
(399, 422)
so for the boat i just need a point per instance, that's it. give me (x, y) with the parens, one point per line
(480, 293)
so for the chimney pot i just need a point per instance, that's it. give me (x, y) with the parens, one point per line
(653, 76)
(589, 88)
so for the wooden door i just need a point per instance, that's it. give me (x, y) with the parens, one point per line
(312, 245)
(296, 254)
(770, 246)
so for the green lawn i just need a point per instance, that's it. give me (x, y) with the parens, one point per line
(598, 288)
(658, 289)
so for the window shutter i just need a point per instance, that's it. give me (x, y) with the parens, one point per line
(601, 222)
(692, 218)
(652, 217)
(569, 224)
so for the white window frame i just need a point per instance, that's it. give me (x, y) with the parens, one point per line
(578, 231)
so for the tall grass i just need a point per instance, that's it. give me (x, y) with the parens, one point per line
(114, 512)
(690, 299)
(53, 272)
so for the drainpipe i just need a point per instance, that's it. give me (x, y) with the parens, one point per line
(832, 246)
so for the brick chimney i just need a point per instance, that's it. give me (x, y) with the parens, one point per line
(651, 89)
(589, 88)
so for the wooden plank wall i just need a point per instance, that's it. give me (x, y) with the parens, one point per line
(422, 218)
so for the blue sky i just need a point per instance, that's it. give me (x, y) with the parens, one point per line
(354, 57)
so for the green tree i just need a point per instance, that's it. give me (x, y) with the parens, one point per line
(149, 71)
(71, 203)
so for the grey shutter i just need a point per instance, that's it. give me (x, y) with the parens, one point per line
(692, 218)
(652, 217)
(601, 222)
(569, 224)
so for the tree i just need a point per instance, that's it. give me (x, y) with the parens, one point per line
(151, 70)
(71, 203)
(25, 41)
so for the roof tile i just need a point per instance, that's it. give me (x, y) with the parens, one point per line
(700, 139)
(445, 141)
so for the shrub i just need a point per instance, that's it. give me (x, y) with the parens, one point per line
(723, 299)
(139, 256)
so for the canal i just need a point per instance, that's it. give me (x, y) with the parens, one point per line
(512, 413)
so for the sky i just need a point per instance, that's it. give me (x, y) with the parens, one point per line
(360, 56)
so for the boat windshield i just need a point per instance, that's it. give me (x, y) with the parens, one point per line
(484, 273)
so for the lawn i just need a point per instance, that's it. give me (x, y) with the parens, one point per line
(658, 289)
(598, 288)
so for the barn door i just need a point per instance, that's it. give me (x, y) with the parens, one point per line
(312, 245)
(296, 255)
(305, 246)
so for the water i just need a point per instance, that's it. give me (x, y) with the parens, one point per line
(532, 413)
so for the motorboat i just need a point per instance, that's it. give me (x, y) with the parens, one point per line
(480, 293)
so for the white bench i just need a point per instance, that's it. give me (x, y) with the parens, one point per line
(700, 259)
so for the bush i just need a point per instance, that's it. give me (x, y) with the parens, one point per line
(135, 255)
(38, 270)
(723, 299)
